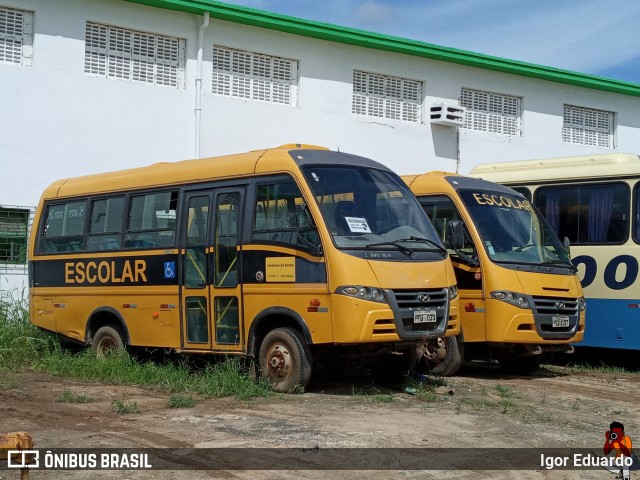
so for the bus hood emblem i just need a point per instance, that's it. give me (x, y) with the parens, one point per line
(423, 297)
(560, 305)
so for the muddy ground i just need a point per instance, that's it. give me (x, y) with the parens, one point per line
(556, 407)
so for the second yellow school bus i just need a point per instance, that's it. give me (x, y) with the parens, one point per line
(519, 293)
(274, 254)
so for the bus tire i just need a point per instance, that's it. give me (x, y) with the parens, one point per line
(284, 360)
(521, 364)
(107, 340)
(440, 356)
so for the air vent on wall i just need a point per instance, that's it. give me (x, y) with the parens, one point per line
(448, 115)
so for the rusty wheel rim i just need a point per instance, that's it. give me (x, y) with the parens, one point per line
(279, 362)
(106, 346)
(436, 351)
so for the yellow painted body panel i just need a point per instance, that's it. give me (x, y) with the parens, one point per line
(148, 323)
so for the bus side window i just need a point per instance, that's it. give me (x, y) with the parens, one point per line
(152, 220)
(281, 215)
(64, 228)
(105, 224)
(636, 213)
(596, 213)
(440, 210)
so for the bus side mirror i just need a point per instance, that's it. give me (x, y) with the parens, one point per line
(455, 234)
(567, 245)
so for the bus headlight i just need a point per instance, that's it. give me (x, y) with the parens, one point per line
(582, 304)
(453, 292)
(516, 299)
(366, 293)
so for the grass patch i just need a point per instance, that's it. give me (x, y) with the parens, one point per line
(23, 345)
(373, 395)
(504, 391)
(507, 405)
(589, 368)
(427, 395)
(181, 401)
(20, 340)
(222, 379)
(67, 396)
(122, 407)
(479, 405)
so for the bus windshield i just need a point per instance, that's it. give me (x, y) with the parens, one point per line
(512, 230)
(369, 208)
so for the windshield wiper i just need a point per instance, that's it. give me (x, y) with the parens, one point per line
(440, 249)
(560, 263)
(406, 250)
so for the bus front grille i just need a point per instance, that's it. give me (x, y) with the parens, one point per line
(555, 317)
(555, 305)
(408, 305)
(421, 299)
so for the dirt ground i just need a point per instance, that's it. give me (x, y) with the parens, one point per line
(556, 407)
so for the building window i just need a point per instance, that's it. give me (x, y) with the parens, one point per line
(114, 52)
(384, 96)
(587, 126)
(16, 36)
(14, 233)
(492, 112)
(254, 76)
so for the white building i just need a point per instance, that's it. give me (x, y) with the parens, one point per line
(111, 84)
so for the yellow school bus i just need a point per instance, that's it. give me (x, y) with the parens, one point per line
(277, 254)
(519, 293)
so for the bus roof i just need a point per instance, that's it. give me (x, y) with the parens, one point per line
(279, 159)
(563, 168)
(433, 182)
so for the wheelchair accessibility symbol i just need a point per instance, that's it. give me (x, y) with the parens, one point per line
(169, 269)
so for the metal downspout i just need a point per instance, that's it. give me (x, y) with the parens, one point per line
(198, 108)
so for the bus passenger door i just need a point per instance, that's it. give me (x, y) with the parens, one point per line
(225, 287)
(211, 293)
(196, 327)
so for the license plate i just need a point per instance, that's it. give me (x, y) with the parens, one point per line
(558, 322)
(424, 316)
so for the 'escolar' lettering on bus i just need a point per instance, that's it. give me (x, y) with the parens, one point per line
(501, 201)
(105, 272)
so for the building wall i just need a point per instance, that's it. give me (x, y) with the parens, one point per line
(56, 121)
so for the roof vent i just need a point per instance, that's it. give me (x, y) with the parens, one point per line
(448, 115)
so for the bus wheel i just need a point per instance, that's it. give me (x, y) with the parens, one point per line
(284, 360)
(107, 340)
(521, 364)
(440, 356)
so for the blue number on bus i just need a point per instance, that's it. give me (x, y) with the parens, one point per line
(591, 268)
(630, 277)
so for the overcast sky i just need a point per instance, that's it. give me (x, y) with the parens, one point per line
(598, 37)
